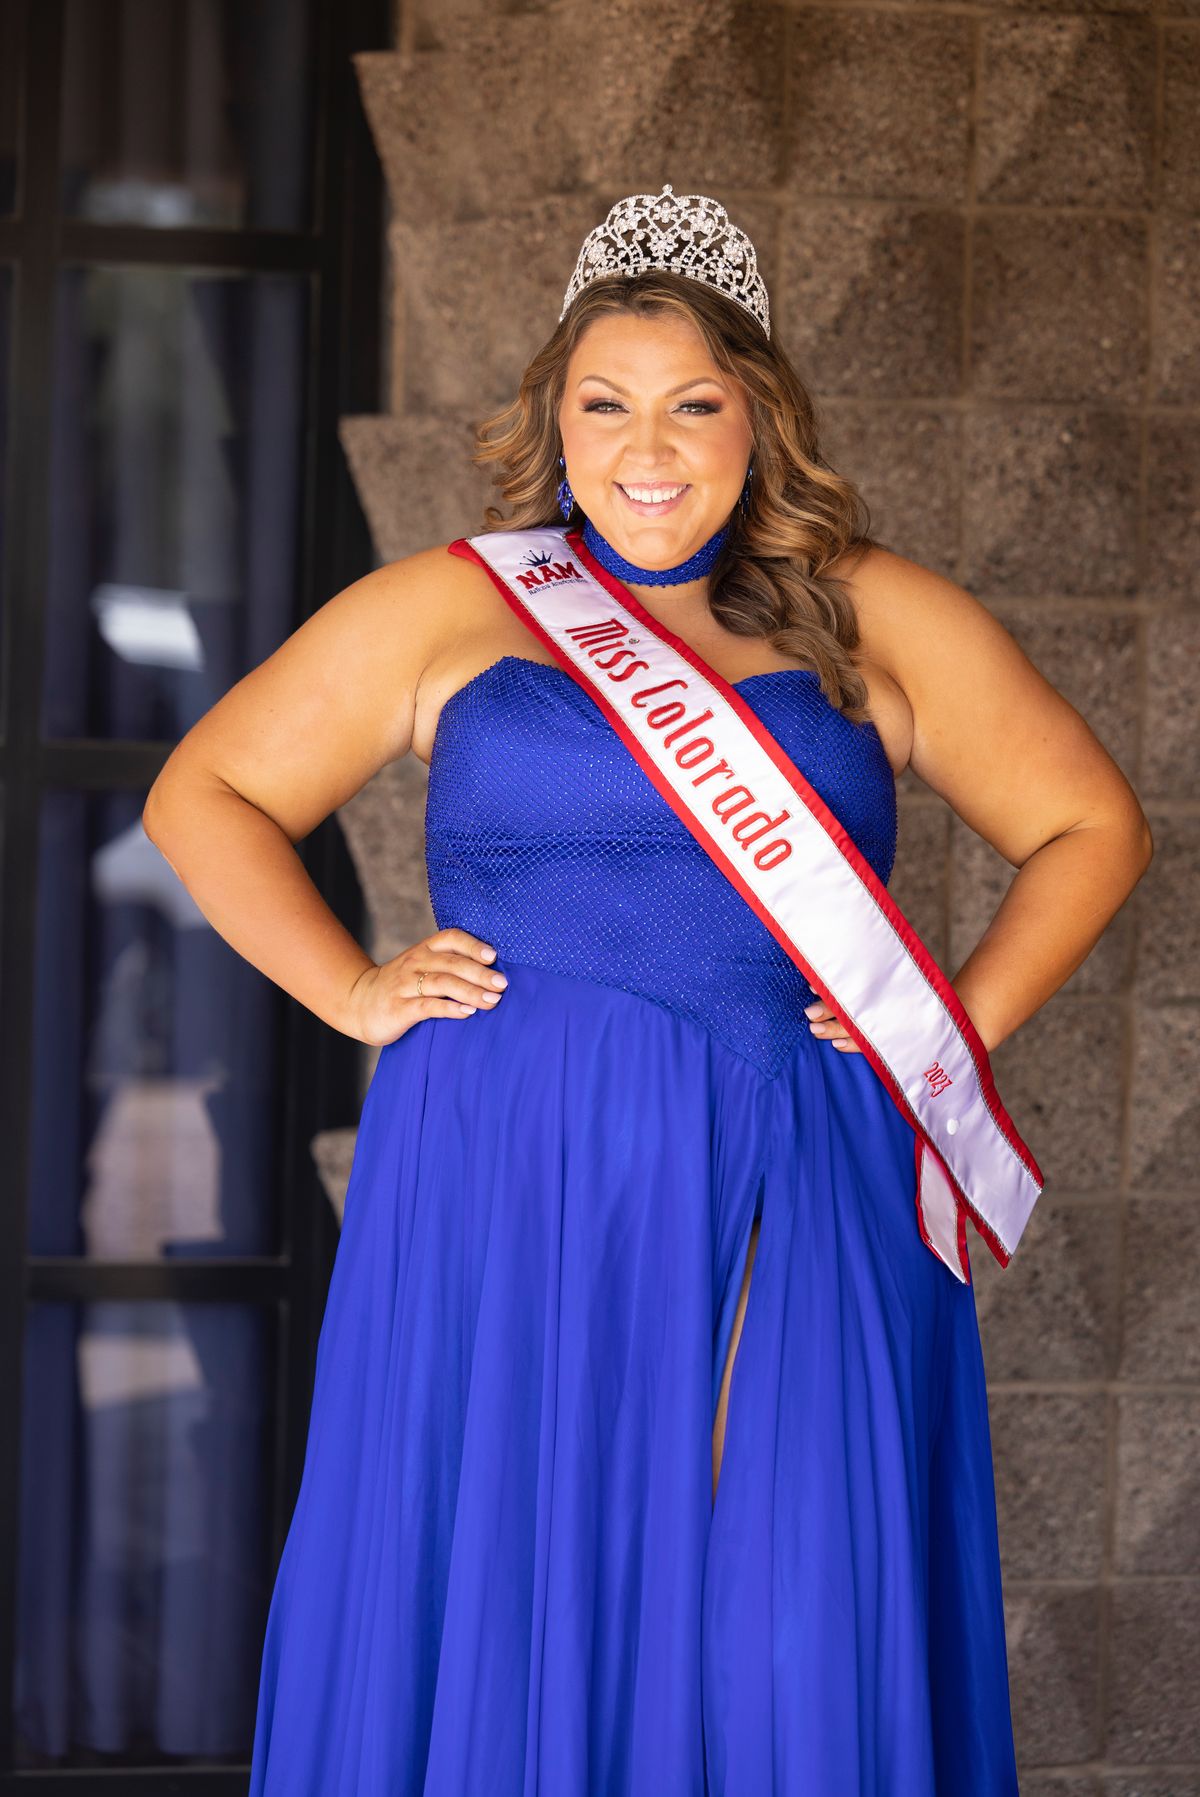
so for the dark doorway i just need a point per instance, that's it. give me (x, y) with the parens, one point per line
(191, 226)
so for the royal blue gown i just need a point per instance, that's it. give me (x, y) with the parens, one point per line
(505, 1574)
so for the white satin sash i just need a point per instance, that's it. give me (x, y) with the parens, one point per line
(772, 835)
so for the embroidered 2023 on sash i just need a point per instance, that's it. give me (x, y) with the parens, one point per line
(777, 841)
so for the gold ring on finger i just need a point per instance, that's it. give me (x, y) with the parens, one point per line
(420, 977)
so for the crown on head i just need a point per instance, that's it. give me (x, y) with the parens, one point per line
(689, 234)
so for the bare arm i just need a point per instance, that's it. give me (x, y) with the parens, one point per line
(294, 739)
(1019, 765)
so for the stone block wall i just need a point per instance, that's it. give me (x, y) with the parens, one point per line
(981, 231)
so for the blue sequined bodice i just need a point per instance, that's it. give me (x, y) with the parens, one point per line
(545, 837)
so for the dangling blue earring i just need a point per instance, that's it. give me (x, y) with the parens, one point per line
(744, 501)
(566, 499)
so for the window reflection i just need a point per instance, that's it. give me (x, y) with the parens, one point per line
(156, 1052)
(188, 114)
(178, 457)
(143, 1546)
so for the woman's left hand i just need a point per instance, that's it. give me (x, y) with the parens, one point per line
(824, 1022)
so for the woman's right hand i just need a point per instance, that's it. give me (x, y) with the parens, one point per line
(455, 980)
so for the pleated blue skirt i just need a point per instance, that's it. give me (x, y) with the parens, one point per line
(505, 1572)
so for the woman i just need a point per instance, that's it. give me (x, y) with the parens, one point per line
(649, 1446)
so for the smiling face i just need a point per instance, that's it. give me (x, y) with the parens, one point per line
(656, 439)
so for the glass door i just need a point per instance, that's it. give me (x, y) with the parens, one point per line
(190, 232)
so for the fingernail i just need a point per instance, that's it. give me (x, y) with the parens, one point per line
(810, 1011)
(488, 954)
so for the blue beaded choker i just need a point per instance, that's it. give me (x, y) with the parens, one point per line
(692, 569)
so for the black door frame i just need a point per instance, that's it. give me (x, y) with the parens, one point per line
(342, 253)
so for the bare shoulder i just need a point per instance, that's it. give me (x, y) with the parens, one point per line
(864, 577)
(904, 607)
(431, 595)
(309, 726)
(379, 636)
(990, 733)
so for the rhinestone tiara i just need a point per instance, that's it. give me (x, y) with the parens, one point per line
(688, 233)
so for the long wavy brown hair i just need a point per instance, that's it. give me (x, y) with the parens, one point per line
(772, 577)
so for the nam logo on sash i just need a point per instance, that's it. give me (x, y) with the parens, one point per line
(546, 571)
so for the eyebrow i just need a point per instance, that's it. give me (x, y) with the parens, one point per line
(699, 381)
